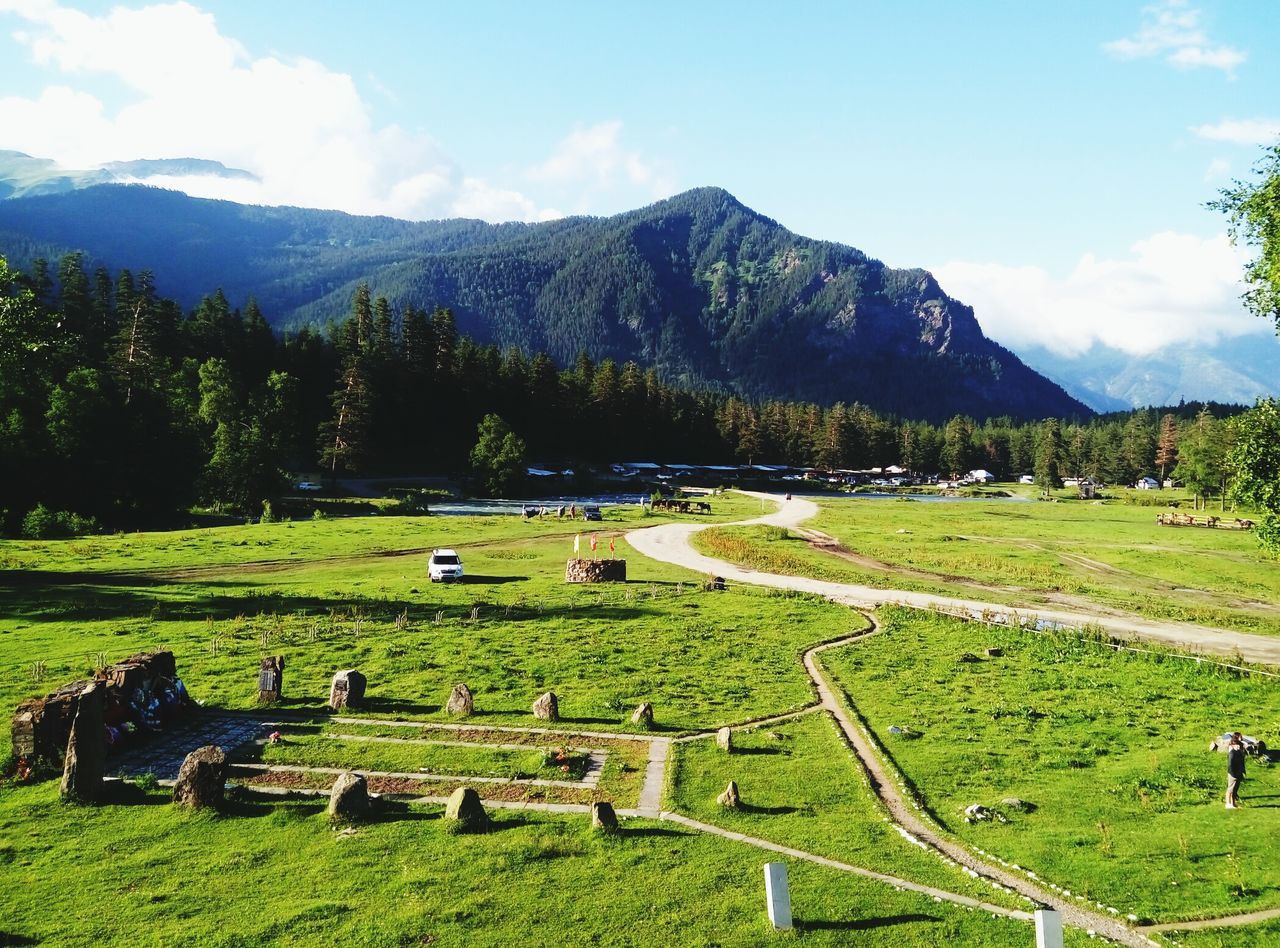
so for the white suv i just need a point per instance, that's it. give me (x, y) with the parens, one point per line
(445, 566)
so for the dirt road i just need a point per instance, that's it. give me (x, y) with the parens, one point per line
(669, 543)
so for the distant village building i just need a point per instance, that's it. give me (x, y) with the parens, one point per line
(981, 476)
(1147, 483)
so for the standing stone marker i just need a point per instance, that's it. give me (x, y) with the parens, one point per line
(347, 689)
(86, 753)
(603, 817)
(201, 778)
(777, 896)
(349, 798)
(643, 715)
(271, 679)
(460, 701)
(464, 813)
(547, 708)
(724, 739)
(1048, 929)
(730, 797)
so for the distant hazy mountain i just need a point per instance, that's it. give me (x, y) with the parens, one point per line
(699, 286)
(1236, 370)
(24, 176)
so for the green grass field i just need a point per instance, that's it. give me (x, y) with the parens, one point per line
(351, 593)
(1110, 748)
(275, 873)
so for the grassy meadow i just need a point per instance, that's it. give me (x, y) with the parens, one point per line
(1110, 748)
(273, 872)
(1030, 554)
(351, 592)
(801, 787)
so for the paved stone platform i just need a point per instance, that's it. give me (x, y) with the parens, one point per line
(162, 754)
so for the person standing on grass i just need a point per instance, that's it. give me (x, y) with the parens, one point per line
(1235, 770)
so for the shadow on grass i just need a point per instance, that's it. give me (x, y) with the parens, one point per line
(746, 751)
(767, 810)
(50, 596)
(9, 938)
(866, 924)
(128, 793)
(502, 824)
(492, 580)
(566, 720)
(391, 706)
(250, 804)
(651, 831)
(393, 812)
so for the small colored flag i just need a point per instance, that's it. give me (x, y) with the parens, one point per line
(577, 544)
(593, 543)
(610, 547)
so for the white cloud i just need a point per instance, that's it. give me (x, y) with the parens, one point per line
(301, 128)
(1256, 131)
(595, 159)
(1174, 289)
(1218, 169)
(1172, 29)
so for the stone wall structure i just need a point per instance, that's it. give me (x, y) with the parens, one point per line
(139, 695)
(595, 571)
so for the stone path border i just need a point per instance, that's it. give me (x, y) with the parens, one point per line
(590, 776)
(903, 815)
(397, 775)
(752, 725)
(501, 729)
(937, 894)
(1230, 921)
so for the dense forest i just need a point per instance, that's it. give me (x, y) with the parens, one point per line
(118, 409)
(699, 287)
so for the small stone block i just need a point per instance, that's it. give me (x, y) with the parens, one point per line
(724, 739)
(777, 895)
(349, 798)
(1048, 929)
(461, 702)
(643, 715)
(730, 797)
(464, 813)
(603, 817)
(347, 689)
(547, 707)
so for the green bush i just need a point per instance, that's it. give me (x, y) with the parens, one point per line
(41, 523)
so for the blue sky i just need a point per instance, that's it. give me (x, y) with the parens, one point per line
(1046, 160)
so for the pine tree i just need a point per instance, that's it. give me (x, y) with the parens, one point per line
(1048, 457)
(1167, 444)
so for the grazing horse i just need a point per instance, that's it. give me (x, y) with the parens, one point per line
(704, 507)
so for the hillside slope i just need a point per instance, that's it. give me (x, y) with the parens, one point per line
(699, 286)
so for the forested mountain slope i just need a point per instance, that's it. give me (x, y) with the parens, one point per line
(699, 286)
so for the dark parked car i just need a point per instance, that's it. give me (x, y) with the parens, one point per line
(592, 512)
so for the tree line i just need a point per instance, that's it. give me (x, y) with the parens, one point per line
(118, 409)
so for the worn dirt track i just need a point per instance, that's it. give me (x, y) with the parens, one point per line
(669, 543)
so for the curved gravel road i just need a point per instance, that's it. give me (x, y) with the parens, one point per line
(669, 543)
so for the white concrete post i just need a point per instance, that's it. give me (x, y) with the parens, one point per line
(777, 896)
(1048, 929)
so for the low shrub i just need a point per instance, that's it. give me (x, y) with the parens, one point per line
(41, 523)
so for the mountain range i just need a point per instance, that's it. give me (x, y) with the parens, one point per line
(700, 287)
